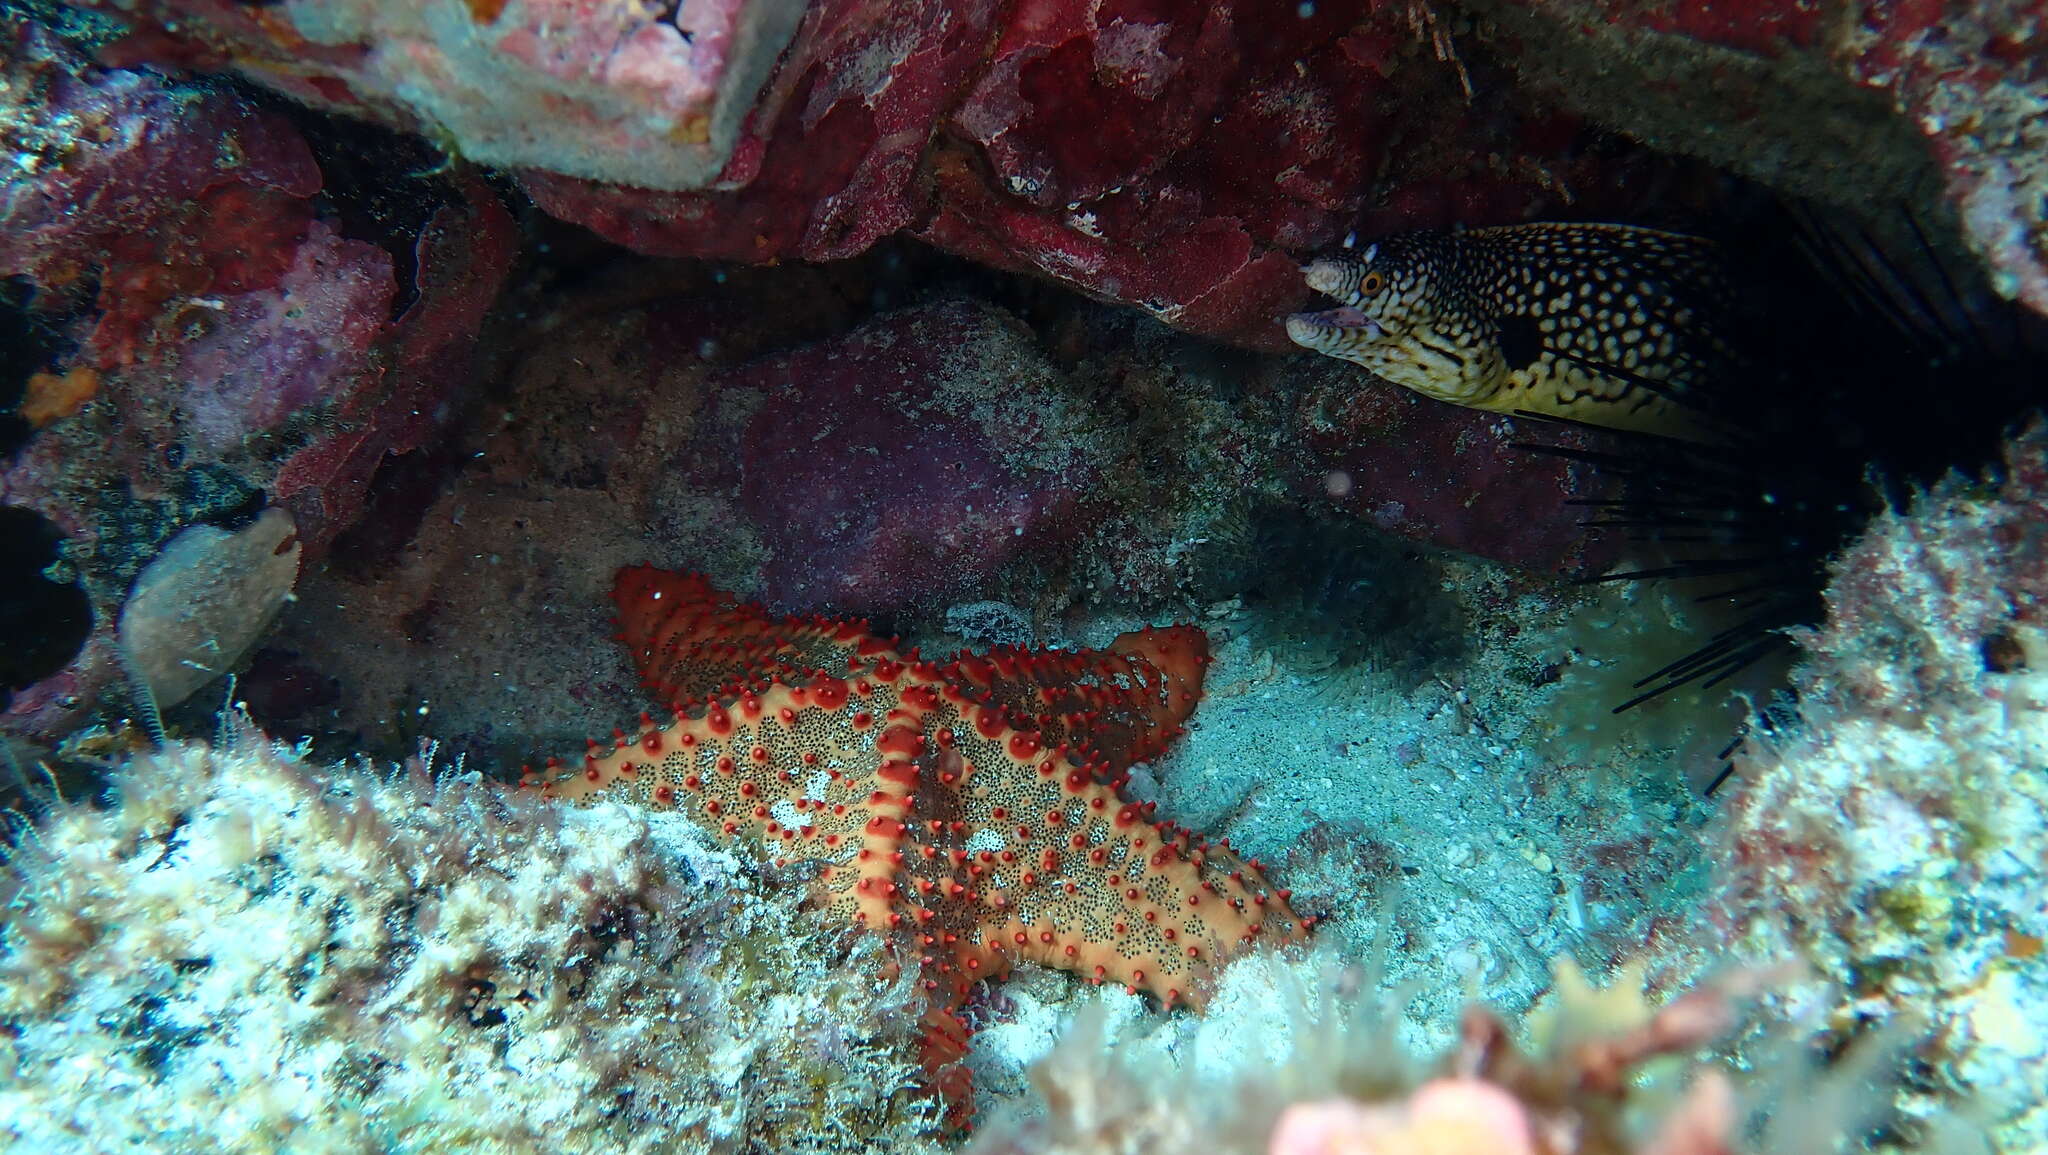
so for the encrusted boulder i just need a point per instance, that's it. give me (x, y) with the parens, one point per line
(225, 330)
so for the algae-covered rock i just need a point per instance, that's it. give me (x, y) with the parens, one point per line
(247, 952)
(1894, 840)
(1940, 109)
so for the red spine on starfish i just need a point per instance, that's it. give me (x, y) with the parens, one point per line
(969, 810)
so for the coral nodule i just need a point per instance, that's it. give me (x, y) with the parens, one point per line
(970, 810)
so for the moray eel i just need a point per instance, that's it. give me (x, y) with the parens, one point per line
(1609, 325)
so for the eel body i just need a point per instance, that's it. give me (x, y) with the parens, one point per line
(1610, 325)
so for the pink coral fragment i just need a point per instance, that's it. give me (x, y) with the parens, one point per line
(270, 354)
(1443, 1117)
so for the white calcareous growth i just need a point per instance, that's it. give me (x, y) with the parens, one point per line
(242, 951)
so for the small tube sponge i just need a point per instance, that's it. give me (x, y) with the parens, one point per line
(206, 599)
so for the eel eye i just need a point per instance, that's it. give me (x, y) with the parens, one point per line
(1371, 283)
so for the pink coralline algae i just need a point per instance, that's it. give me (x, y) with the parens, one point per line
(833, 154)
(261, 356)
(461, 259)
(1165, 154)
(628, 96)
(147, 192)
(1447, 476)
(1172, 154)
(240, 341)
(932, 452)
(218, 305)
(1972, 79)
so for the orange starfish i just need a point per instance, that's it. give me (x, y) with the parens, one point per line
(970, 810)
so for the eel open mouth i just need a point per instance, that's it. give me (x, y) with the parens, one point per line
(1347, 325)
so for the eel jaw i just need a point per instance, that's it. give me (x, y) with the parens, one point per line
(1334, 331)
(1334, 276)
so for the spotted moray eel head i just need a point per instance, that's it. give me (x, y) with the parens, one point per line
(1383, 292)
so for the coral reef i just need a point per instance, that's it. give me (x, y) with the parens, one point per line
(630, 97)
(1122, 149)
(936, 450)
(1893, 838)
(244, 952)
(1126, 149)
(122, 173)
(1871, 105)
(991, 829)
(964, 315)
(230, 337)
(659, 425)
(834, 156)
(1322, 1072)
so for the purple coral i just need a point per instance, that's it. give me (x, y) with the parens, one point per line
(262, 357)
(932, 453)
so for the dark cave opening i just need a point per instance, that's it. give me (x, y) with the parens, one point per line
(45, 621)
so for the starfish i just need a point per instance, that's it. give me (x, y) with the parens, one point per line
(973, 811)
